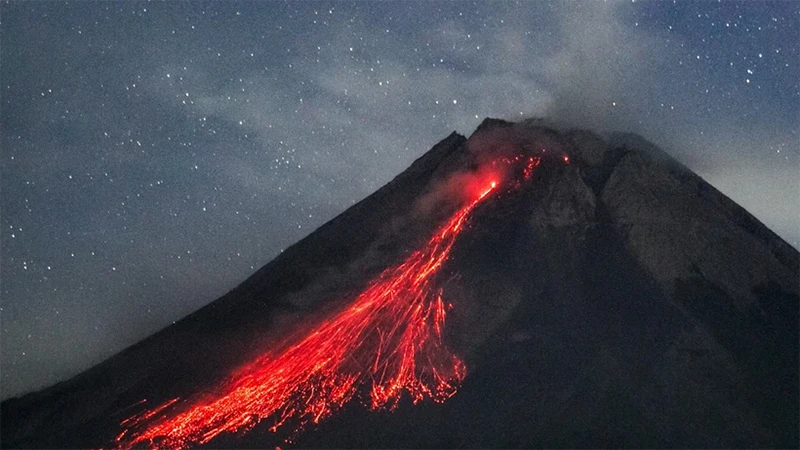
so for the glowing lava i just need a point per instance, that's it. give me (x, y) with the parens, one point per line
(389, 338)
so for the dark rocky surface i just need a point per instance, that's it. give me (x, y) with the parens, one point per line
(615, 301)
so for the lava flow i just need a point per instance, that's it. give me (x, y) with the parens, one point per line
(389, 338)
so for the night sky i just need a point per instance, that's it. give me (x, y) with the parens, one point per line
(156, 154)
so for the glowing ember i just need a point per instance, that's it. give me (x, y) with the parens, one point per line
(389, 337)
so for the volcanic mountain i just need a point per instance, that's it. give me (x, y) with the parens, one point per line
(526, 287)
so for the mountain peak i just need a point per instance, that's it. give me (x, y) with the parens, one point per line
(490, 122)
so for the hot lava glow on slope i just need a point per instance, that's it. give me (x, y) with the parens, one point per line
(388, 339)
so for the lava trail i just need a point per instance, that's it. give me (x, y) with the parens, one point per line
(389, 338)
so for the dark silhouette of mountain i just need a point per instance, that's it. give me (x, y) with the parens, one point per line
(614, 299)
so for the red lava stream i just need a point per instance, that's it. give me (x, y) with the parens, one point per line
(388, 338)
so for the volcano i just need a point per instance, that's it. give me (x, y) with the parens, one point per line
(526, 287)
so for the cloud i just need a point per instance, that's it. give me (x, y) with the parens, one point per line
(605, 72)
(372, 104)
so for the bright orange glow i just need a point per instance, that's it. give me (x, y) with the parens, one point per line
(390, 338)
(487, 190)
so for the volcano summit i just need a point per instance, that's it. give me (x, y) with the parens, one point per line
(525, 287)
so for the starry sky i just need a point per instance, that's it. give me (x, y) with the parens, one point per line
(156, 154)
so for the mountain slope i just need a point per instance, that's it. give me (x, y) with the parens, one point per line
(614, 299)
